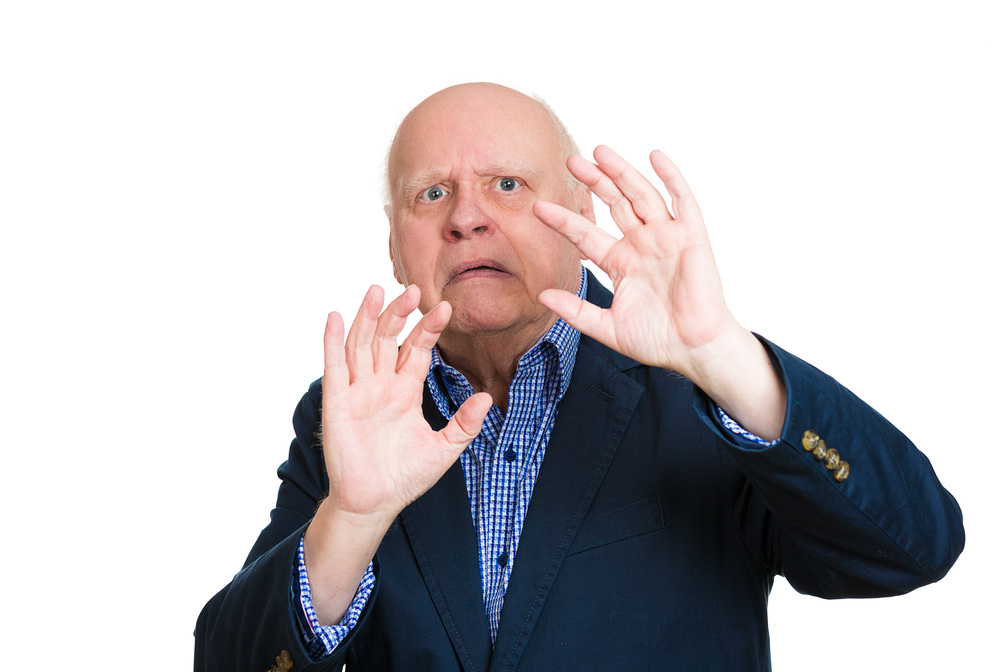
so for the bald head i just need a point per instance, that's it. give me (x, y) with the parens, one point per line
(492, 104)
(466, 168)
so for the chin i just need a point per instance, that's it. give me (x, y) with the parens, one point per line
(486, 316)
(481, 321)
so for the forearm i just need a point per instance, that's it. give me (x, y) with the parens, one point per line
(884, 527)
(339, 547)
(736, 372)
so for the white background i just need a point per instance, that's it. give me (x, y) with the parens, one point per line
(187, 188)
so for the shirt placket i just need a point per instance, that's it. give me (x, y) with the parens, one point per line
(514, 446)
(501, 464)
(489, 517)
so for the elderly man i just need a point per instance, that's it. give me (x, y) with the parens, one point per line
(525, 482)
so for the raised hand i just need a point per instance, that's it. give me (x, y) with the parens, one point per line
(668, 309)
(380, 452)
(668, 295)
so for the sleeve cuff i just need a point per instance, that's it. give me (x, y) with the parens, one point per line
(322, 640)
(733, 427)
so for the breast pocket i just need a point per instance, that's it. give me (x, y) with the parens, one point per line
(632, 520)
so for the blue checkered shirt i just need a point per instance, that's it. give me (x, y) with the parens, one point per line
(501, 466)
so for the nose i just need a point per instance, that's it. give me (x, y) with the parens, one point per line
(468, 219)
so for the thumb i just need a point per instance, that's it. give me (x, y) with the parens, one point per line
(582, 315)
(467, 422)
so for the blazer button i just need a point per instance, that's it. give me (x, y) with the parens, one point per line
(832, 459)
(842, 471)
(809, 440)
(819, 452)
(283, 662)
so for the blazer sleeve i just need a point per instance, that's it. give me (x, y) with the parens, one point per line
(256, 620)
(885, 529)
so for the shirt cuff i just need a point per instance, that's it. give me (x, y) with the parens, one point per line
(325, 638)
(733, 427)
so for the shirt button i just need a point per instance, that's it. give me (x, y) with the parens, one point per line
(510, 455)
(502, 560)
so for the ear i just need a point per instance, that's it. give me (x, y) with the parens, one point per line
(392, 251)
(585, 203)
(585, 206)
(392, 258)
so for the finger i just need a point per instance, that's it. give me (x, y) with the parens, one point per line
(605, 189)
(646, 201)
(582, 315)
(590, 240)
(335, 374)
(467, 422)
(358, 347)
(415, 353)
(390, 324)
(685, 206)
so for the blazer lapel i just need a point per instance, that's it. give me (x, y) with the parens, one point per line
(443, 538)
(592, 418)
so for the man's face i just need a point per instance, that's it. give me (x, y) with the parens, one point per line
(466, 167)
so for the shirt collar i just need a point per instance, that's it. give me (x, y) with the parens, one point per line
(450, 388)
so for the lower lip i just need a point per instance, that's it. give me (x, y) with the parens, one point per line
(480, 273)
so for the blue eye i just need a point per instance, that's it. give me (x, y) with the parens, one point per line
(507, 184)
(432, 194)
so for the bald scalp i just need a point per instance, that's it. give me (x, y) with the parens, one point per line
(474, 95)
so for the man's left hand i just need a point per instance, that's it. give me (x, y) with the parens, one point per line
(668, 309)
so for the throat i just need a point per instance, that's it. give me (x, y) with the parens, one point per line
(499, 395)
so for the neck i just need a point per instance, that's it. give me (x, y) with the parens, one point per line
(489, 361)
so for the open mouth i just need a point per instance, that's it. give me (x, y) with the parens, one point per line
(479, 268)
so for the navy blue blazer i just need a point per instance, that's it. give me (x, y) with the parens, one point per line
(651, 541)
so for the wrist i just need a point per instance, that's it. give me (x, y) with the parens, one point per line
(346, 530)
(338, 547)
(736, 372)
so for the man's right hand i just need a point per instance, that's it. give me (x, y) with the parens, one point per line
(380, 452)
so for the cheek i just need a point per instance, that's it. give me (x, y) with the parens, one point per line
(553, 259)
(417, 266)
(555, 247)
(409, 254)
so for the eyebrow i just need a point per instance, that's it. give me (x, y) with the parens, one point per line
(417, 183)
(421, 181)
(511, 170)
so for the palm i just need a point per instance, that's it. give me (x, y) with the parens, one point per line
(668, 295)
(380, 452)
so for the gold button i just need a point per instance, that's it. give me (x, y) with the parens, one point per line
(819, 452)
(832, 459)
(283, 662)
(842, 472)
(809, 440)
